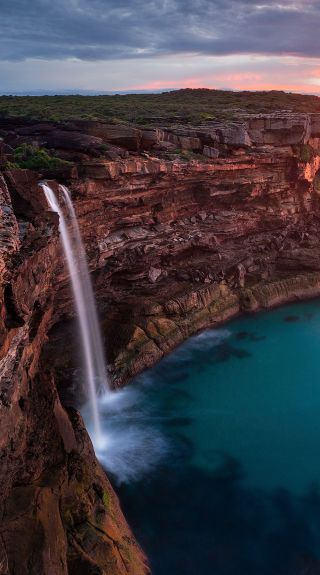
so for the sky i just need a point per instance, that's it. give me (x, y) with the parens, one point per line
(119, 45)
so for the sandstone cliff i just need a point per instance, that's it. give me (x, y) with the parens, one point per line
(59, 514)
(184, 228)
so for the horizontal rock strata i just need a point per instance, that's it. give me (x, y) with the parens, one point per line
(59, 514)
(184, 227)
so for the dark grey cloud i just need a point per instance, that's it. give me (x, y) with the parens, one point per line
(113, 29)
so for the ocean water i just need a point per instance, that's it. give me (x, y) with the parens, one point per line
(215, 452)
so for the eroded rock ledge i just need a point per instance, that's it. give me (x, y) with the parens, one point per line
(59, 514)
(184, 228)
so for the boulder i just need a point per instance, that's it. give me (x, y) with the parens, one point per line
(72, 141)
(127, 137)
(232, 134)
(190, 143)
(210, 152)
(279, 129)
(154, 274)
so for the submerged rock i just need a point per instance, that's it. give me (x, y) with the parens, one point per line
(176, 242)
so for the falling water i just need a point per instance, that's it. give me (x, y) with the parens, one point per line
(94, 364)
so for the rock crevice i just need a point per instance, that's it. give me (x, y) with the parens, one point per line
(184, 228)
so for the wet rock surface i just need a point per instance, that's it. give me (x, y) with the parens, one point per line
(184, 227)
(59, 513)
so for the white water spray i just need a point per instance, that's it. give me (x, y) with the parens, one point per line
(94, 362)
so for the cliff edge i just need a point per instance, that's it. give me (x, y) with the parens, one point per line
(184, 227)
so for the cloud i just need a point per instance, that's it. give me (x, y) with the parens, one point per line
(174, 71)
(132, 44)
(93, 30)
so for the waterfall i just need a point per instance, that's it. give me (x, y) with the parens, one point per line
(93, 358)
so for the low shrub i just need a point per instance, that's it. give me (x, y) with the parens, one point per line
(305, 152)
(31, 157)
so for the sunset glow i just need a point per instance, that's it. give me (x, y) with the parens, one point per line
(108, 46)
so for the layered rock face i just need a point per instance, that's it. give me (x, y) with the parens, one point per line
(182, 243)
(59, 514)
(184, 227)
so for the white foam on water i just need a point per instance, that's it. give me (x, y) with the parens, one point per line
(125, 432)
(132, 444)
(203, 341)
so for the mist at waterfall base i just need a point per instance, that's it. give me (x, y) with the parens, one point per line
(121, 442)
(118, 444)
(215, 452)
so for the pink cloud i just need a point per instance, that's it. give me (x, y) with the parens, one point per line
(241, 81)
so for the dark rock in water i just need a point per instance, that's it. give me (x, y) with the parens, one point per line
(241, 353)
(242, 335)
(226, 351)
(291, 318)
(223, 353)
(194, 219)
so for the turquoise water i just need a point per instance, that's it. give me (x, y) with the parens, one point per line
(215, 452)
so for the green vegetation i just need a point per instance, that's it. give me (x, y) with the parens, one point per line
(189, 155)
(34, 158)
(185, 106)
(305, 152)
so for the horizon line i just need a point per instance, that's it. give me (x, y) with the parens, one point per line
(39, 92)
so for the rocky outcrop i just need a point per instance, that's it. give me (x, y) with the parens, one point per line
(101, 139)
(279, 129)
(184, 226)
(190, 237)
(59, 513)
